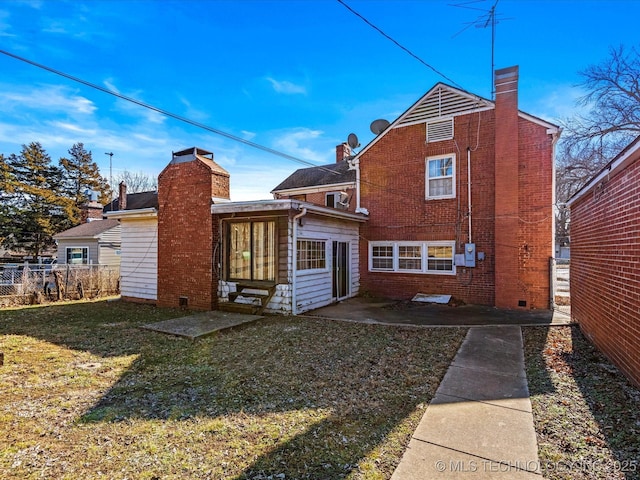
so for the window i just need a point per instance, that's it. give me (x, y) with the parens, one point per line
(312, 255)
(440, 181)
(382, 257)
(412, 257)
(331, 200)
(252, 250)
(77, 255)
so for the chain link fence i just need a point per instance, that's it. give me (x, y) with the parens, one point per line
(33, 284)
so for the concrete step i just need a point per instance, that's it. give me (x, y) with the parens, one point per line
(239, 307)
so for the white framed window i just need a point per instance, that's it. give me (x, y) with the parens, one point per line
(435, 258)
(311, 255)
(381, 256)
(77, 255)
(441, 177)
(331, 199)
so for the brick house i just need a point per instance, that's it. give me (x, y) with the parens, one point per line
(605, 260)
(459, 194)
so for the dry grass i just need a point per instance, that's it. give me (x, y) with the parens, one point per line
(586, 414)
(84, 393)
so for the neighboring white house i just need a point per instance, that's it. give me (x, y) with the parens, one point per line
(139, 259)
(96, 242)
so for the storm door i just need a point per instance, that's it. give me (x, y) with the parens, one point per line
(340, 270)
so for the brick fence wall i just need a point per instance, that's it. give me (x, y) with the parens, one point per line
(605, 268)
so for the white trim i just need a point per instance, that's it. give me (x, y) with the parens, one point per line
(623, 159)
(66, 255)
(315, 188)
(424, 245)
(284, 204)
(309, 271)
(427, 178)
(139, 213)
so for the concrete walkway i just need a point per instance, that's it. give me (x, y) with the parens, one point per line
(479, 424)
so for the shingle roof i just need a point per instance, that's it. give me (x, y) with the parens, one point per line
(317, 176)
(90, 229)
(135, 201)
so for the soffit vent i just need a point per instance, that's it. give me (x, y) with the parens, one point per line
(443, 101)
(440, 130)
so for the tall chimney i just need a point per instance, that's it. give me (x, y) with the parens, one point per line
(187, 231)
(122, 196)
(342, 151)
(508, 292)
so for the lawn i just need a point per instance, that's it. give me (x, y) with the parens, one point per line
(586, 414)
(85, 393)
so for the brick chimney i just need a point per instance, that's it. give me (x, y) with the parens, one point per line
(91, 209)
(122, 196)
(508, 290)
(342, 151)
(187, 231)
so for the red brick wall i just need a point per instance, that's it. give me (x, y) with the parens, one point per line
(319, 198)
(186, 233)
(535, 216)
(605, 268)
(393, 190)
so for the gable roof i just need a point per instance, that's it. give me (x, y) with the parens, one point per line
(90, 229)
(332, 174)
(445, 101)
(135, 201)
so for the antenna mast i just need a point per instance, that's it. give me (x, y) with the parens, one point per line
(483, 21)
(110, 175)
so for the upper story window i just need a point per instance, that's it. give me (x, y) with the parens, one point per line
(440, 181)
(337, 200)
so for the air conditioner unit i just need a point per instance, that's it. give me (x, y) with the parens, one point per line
(343, 201)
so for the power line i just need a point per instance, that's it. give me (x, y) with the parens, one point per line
(162, 111)
(398, 44)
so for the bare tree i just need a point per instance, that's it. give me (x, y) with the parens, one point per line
(137, 181)
(612, 121)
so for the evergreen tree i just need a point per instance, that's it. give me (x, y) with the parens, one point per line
(6, 190)
(38, 208)
(81, 173)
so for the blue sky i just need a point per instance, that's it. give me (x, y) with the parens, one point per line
(296, 76)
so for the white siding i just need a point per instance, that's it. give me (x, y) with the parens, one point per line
(90, 243)
(109, 247)
(139, 258)
(315, 289)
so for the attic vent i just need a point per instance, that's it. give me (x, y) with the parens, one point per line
(443, 101)
(440, 130)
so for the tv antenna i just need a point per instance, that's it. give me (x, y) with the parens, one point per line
(486, 19)
(110, 175)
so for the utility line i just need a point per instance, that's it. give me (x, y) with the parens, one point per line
(162, 111)
(398, 44)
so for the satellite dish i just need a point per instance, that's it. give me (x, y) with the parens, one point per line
(379, 126)
(352, 140)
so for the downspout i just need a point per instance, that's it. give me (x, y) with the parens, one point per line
(469, 188)
(355, 165)
(294, 256)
